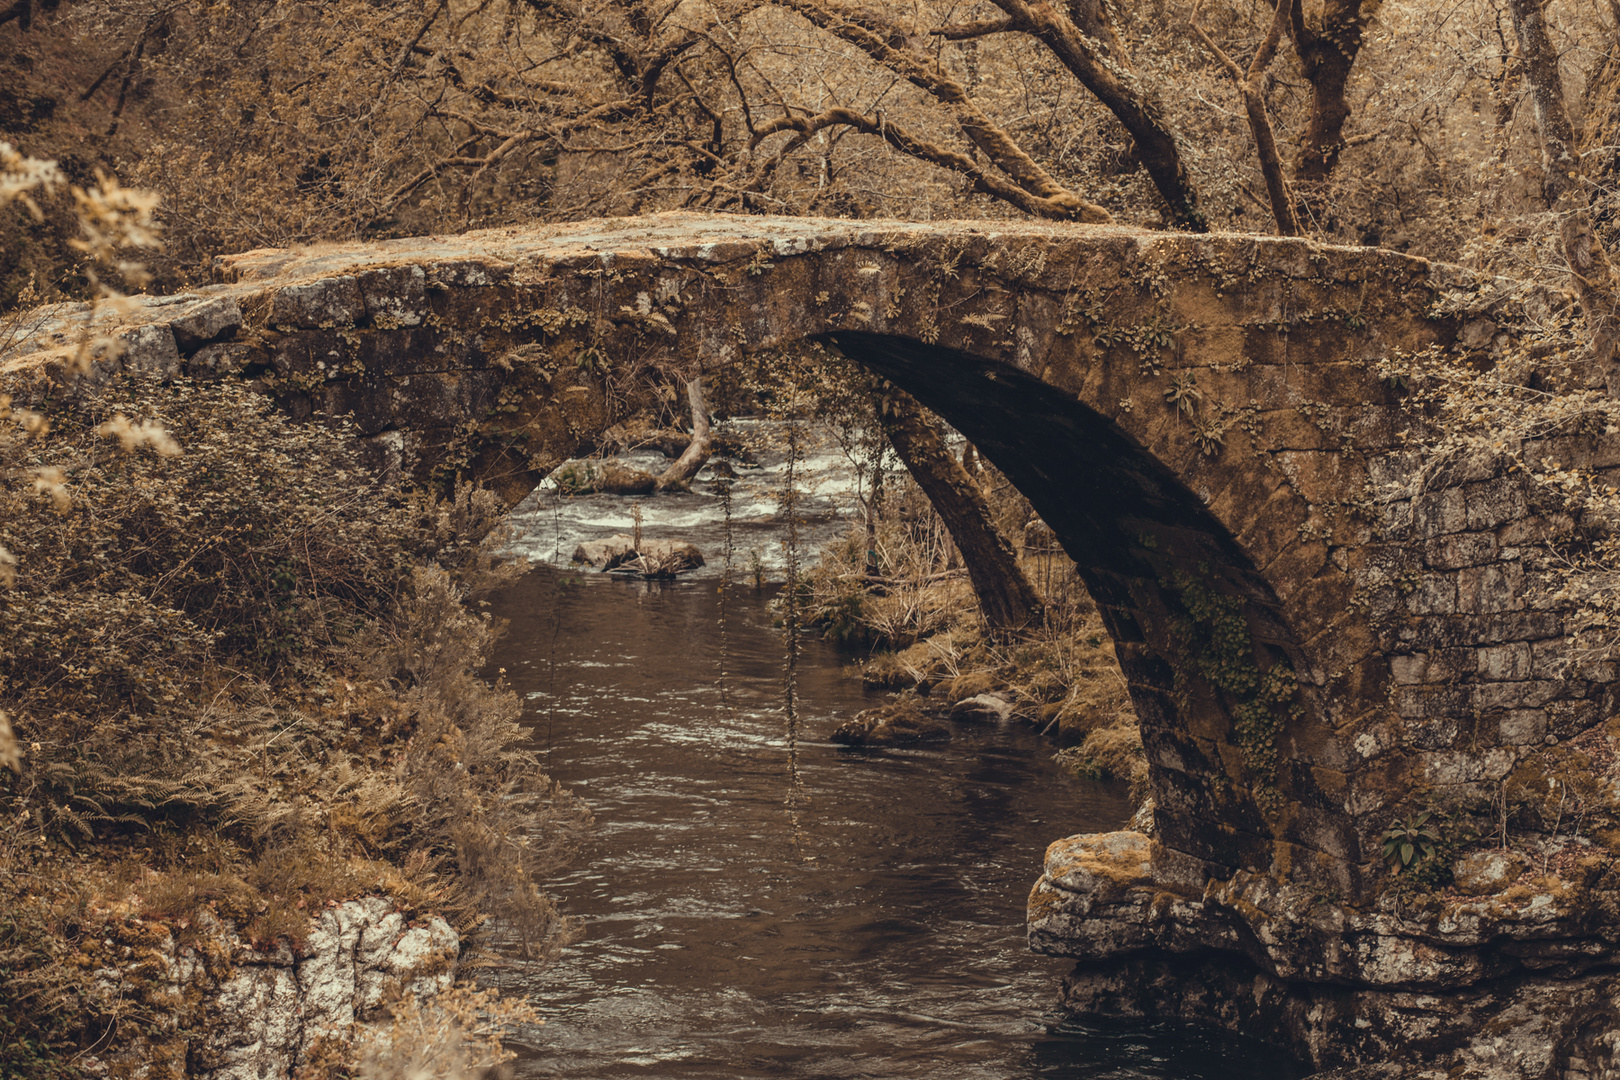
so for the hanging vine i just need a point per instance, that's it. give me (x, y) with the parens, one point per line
(796, 796)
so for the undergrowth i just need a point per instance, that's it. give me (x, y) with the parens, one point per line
(241, 679)
(919, 622)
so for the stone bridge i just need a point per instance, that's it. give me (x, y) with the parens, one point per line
(1202, 421)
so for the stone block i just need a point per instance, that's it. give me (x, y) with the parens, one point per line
(1485, 589)
(327, 303)
(1516, 626)
(1522, 727)
(394, 296)
(1437, 730)
(1458, 550)
(1505, 662)
(1529, 694)
(151, 349)
(1569, 718)
(1409, 670)
(1440, 512)
(1494, 503)
(1394, 469)
(1436, 594)
(1432, 702)
(208, 320)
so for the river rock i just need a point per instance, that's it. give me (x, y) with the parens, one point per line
(605, 554)
(897, 724)
(982, 708)
(1482, 873)
(655, 558)
(665, 558)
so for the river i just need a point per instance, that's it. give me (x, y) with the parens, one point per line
(756, 901)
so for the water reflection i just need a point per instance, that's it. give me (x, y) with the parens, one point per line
(883, 937)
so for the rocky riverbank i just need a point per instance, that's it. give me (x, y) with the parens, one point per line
(1507, 973)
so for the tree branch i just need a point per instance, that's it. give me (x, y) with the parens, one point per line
(913, 146)
(1035, 182)
(1252, 86)
(965, 31)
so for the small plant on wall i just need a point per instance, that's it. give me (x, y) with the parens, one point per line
(1409, 844)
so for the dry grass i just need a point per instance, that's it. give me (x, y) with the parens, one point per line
(240, 679)
(922, 626)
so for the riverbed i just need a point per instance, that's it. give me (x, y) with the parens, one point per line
(758, 902)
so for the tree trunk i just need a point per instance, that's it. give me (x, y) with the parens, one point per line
(680, 473)
(1562, 184)
(1085, 43)
(1325, 58)
(1252, 87)
(1007, 597)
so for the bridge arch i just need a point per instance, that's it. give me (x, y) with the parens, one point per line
(1141, 539)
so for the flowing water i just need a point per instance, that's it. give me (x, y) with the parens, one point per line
(758, 902)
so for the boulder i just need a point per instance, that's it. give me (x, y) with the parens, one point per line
(605, 554)
(982, 708)
(151, 348)
(665, 558)
(655, 558)
(899, 723)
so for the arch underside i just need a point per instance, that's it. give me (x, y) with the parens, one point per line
(1134, 531)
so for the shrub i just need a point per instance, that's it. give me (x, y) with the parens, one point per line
(257, 669)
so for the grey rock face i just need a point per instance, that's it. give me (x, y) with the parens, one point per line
(208, 320)
(244, 1014)
(1512, 983)
(330, 302)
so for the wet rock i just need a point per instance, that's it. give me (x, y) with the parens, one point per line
(982, 708)
(1481, 873)
(605, 554)
(664, 558)
(900, 723)
(601, 477)
(655, 558)
(1500, 987)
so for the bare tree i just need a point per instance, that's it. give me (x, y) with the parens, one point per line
(1252, 84)
(1327, 52)
(1563, 187)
